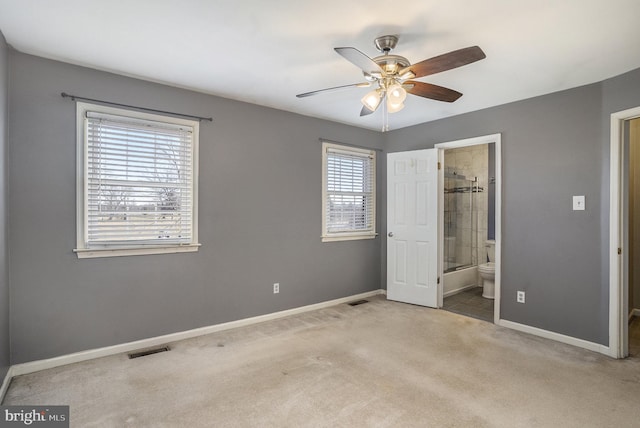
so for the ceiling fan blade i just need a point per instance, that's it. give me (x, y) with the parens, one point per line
(360, 60)
(445, 62)
(435, 92)
(335, 88)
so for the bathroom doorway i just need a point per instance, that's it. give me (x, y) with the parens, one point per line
(632, 135)
(621, 302)
(469, 218)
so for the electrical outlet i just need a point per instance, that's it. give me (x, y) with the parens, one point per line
(520, 297)
(276, 288)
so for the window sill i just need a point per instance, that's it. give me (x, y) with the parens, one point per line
(90, 253)
(336, 238)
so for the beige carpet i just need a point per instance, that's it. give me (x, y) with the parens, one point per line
(380, 364)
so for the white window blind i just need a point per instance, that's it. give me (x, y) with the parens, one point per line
(349, 197)
(138, 182)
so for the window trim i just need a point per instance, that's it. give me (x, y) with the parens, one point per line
(347, 235)
(81, 250)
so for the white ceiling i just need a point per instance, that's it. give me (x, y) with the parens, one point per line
(266, 52)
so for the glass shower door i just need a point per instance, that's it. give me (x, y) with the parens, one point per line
(458, 222)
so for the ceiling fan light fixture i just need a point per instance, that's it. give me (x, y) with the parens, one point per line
(394, 108)
(372, 100)
(396, 94)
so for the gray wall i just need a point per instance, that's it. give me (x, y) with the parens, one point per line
(259, 213)
(259, 220)
(552, 149)
(4, 282)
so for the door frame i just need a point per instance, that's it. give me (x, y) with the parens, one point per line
(484, 139)
(618, 246)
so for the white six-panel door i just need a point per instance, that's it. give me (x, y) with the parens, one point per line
(412, 227)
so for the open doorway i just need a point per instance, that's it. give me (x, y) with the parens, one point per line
(469, 231)
(621, 305)
(470, 226)
(632, 146)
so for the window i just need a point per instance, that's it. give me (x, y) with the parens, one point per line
(137, 186)
(349, 193)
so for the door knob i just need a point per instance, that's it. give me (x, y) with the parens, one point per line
(390, 235)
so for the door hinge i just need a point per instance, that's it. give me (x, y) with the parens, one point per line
(438, 281)
(619, 251)
(439, 165)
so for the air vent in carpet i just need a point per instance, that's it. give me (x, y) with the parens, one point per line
(148, 352)
(358, 302)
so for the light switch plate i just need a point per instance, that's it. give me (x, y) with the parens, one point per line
(578, 203)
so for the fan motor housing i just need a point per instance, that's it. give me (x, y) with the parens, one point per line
(386, 43)
(391, 64)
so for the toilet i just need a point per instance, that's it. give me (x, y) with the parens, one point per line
(488, 271)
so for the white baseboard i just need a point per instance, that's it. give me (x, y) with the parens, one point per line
(5, 383)
(34, 366)
(634, 313)
(580, 343)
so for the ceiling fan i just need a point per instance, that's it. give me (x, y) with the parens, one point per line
(391, 75)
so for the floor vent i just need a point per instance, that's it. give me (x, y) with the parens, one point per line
(148, 352)
(358, 302)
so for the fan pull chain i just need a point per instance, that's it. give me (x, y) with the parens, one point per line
(385, 117)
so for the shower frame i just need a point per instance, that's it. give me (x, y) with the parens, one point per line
(470, 187)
